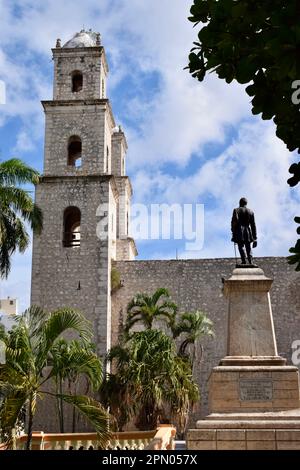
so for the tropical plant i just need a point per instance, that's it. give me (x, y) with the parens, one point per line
(150, 380)
(74, 362)
(193, 326)
(117, 396)
(155, 377)
(16, 207)
(31, 349)
(144, 309)
(255, 43)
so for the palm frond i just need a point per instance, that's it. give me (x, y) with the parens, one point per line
(144, 308)
(72, 359)
(94, 412)
(10, 410)
(13, 236)
(16, 206)
(119, 353)
(158, 294)
(14, 171)
(34, 319)
(59, 322)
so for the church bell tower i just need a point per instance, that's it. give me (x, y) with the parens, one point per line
(84, 193)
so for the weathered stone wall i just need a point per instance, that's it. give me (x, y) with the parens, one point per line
(197, 284)
(73, 276)
(85, 120)
(77, 277)
(90, 62)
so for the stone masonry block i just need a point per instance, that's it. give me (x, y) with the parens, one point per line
(231, 445)
(231, 435)
(260, 435)
(261, 445)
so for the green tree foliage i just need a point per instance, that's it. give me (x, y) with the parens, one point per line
(155, 377)
(32, 360)
(151, 380)
(192, 326)
(145, 308)
(16, 207)
(74, 362)
(295, 257)
(255, 43)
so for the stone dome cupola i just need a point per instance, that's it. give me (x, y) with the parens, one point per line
(83, 39)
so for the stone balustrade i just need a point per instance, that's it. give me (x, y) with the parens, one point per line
(160, 439)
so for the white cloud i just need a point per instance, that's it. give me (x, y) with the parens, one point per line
(255, 165)
(24, 142)
(168, 124)
(148, 36)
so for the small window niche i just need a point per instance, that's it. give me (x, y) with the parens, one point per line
(72, 219)
(75, 151)
(77, 81)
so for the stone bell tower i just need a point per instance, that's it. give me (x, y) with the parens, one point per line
(84, 192)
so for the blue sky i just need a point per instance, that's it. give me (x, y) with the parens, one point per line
(188, 142)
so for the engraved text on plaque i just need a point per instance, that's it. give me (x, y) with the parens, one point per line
(256, 390)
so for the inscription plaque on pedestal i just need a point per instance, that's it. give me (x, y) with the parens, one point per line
(256, 390)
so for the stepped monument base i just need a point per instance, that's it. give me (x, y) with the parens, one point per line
(254, 396)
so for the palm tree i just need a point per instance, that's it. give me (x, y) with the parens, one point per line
(72, 361)
(16, 207)
(31, 347)
(193, 325)
(146, 308)
(117, 397)
(155, 376)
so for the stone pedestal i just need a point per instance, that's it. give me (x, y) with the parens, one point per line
(251, 336)
(254, 397)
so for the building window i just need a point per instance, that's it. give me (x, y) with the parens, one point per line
(74, 151)
(11, 302)
(72, 217)
(77, 81)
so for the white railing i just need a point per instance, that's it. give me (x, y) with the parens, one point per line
(160, 439)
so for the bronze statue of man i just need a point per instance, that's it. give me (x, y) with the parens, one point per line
(244, 230)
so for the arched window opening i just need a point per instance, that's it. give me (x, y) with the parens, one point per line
(77, 82)
(74, 151)
(72, 217)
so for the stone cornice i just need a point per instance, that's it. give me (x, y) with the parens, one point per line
(87, 102)
(59, 178)
(97, 51)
